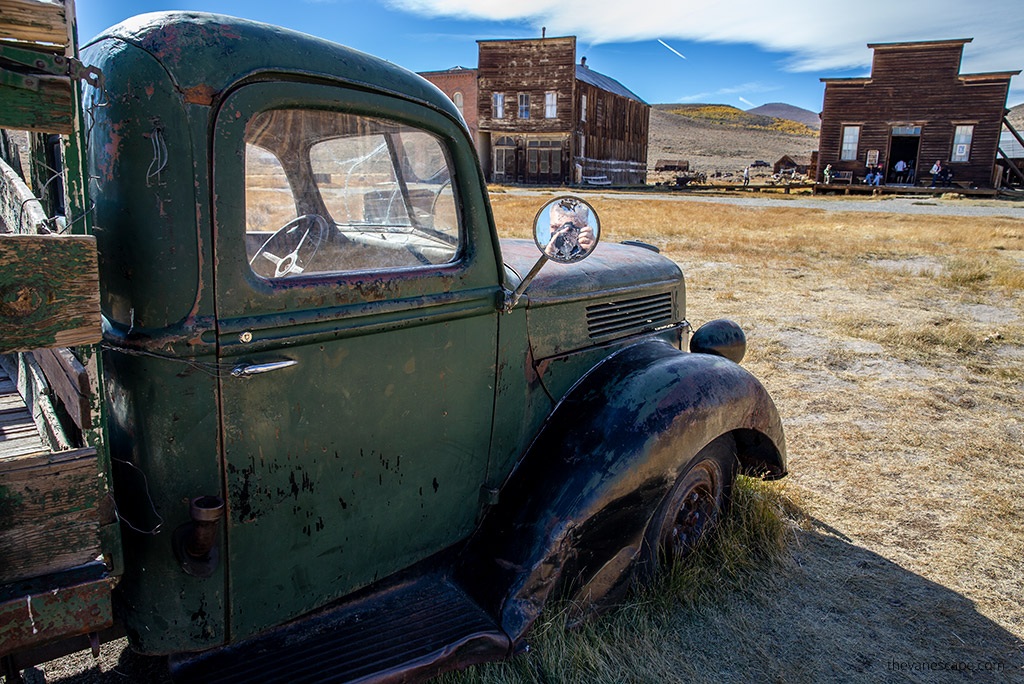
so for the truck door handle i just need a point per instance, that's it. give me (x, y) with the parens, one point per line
(245, 370)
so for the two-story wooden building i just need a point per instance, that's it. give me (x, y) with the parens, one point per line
(918, 108)
(543, 118)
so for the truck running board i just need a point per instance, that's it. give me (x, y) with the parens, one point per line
(406, 633)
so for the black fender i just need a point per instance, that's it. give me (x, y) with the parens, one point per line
(577, 504)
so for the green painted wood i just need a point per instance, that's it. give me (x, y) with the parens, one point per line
(70, 383)
(42, 617)
(49, 292)
(49, 507)
(20, 211)
(46, 110)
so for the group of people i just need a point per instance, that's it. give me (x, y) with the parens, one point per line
(875, 175)
(942, 174)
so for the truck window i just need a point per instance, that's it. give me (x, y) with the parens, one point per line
(329, 192)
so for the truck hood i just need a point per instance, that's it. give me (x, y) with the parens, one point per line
(612, 269)
(618, 291)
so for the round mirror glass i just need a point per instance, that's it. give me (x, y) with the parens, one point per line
(567, 229)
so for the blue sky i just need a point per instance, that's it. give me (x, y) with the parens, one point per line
(743, 53)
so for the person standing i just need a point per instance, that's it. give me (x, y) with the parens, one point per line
(746, 176)
(828, 174)
(936, 172)
(901, 169)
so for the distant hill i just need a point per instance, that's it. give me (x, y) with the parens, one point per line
(781, 110)
(731, 117)
(1016, 117)
(721, 144)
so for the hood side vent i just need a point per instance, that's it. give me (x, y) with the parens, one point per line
(629, 315)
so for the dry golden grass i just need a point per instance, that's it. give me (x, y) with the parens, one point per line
(893, 346)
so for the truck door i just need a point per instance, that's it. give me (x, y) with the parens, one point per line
(357, 335)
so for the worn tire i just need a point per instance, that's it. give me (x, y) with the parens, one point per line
(694, 507)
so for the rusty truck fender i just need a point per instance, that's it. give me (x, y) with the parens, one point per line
(574, 511)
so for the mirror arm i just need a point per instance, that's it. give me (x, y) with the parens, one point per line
(513, 297)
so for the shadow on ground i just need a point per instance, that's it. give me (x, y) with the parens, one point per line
(835, 611)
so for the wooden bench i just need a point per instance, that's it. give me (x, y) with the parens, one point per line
(596, 180)
(843, 177)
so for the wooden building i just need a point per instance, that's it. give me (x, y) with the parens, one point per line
(793, 163)
(915, 107)
(544, 118)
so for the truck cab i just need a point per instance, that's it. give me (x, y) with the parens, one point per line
(331, 418)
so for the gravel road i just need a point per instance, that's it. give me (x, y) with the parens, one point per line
(889, 204)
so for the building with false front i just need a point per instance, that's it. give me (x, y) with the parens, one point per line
(915, 107)
(545, 119)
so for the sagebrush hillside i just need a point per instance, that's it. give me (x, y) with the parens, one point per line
(727, 115)
(721, 138)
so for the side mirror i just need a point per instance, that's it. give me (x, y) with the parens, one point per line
(566, 230)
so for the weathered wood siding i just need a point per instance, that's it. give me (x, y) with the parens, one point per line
(916, 85)
(534, 67)
(614, 135)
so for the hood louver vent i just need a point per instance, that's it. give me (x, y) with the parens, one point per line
(629, 315)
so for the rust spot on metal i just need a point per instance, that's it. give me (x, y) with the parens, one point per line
(201, 94)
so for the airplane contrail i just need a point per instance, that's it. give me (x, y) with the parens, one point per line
(746, 101)
(671, 48)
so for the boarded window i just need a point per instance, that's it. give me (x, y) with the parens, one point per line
(851, 136)
(498, 105)
(524, 105)
(962, 144)
(583, 107)
(550, 105)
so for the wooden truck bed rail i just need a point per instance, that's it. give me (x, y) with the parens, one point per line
(59, 535)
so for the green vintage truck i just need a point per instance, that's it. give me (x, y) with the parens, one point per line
(325, 425)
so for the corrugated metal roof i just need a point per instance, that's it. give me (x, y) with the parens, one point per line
(1009, 145)
(605, 83)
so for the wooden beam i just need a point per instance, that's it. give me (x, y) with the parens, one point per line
(46, 110)
(34, 21)
(69, 381)
(49, 292)
(49, 513)
(20, 210)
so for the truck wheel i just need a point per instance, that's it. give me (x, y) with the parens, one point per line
(693, 508)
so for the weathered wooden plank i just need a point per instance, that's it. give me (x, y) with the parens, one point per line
(49, 513)
(46, 110)
(45, 616)
(49, 292)
(20, 211)
(34, 21)
(69, 381)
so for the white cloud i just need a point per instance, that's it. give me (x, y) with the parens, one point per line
(748, 88)
(812, 35)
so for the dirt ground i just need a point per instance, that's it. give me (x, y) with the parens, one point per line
(893, 346)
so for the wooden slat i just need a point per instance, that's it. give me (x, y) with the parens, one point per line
(69, 381)
(49, 292)
(34, 21)
(49, 513)
(42, 617)
(20, 211)
(47, 110)
(18, 433)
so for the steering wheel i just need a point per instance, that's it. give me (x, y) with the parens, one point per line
(298, 240)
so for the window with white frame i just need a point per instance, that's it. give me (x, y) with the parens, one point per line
(851, 136)
(550, 105)
(498, 105)
(524, 105)
(583, 107)
(962, 144)
(458, 100)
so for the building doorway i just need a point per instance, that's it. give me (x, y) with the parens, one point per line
(504, 169)
(904, 145)
(544, 162)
